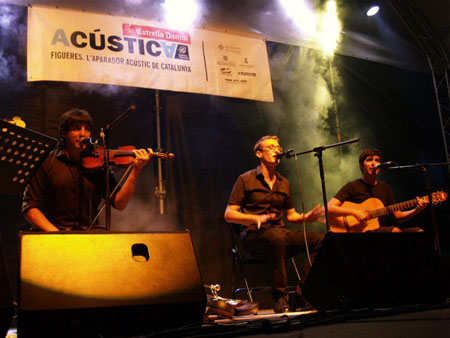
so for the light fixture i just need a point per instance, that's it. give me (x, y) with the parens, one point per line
(301, 14)
(373, 9)
(181, 14)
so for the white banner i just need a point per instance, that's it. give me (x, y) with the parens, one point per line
(75, 46)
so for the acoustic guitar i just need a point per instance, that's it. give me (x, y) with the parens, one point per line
(376, 209)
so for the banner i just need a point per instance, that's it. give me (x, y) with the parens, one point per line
(75, 46)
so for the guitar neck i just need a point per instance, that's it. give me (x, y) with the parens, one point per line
(392, 208)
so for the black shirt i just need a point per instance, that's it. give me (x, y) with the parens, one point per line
(358, 191)
(252, 193)
(64, 192)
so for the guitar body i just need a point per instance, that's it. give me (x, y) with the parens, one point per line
(350, 223)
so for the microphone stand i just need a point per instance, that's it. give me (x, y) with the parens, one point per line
(318, 153)
(104, 136)
(422, 167)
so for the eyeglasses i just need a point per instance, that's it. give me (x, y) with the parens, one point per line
(273, 147)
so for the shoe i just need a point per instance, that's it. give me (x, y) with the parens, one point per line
(282, 304)
(300, 304)
(245, 308)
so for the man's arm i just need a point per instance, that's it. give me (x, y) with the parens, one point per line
(34, 197)
(403, 216)
(127, 191)
(36, 218)
(335, 209)
(234, 215)
(311, 216)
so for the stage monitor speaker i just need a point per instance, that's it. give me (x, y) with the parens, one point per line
(80, 284)
(374, 270)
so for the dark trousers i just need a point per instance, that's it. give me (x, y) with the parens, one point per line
(279, 244)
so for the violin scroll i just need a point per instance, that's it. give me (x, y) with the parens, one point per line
(163, 155)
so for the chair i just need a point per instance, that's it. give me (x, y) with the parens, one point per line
(241, 257)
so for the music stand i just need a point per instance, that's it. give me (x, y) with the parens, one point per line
(22, 151)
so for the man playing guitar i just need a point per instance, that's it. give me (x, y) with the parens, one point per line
(347, 216)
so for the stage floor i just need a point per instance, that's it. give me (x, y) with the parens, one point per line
(411, 321)
(407, 321)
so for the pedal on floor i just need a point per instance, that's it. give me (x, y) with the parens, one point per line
(231, 307)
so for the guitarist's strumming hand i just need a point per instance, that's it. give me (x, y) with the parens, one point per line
(260, 219)
(361, 216)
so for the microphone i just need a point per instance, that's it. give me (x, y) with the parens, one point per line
(87, 140)
(286, 153)
(386, 164)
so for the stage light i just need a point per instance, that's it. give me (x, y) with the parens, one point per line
(181, 14)
(301, 15)
(329, 28)
(321, 27)
(373, 9)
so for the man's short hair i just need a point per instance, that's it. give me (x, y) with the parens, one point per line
(71, 118)
(368, 152)
(262, 139)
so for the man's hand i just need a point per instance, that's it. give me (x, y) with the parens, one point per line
(260, 219)
(142, 157)
(36, 218)
(361, 216)
(421, 204)
(315, 214)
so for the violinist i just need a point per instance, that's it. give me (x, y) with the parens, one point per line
(63, 195)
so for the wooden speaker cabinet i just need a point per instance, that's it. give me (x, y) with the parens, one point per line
(109, 283)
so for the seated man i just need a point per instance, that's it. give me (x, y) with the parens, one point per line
(65, 196)
(364, 190)
(259, 199)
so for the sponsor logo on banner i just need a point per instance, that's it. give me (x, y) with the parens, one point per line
(128, 43)
(225, 70)
(156, 33)
(231, 49)
(247, 74)
(73, 46)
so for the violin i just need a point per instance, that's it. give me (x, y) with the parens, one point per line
(122, 157)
